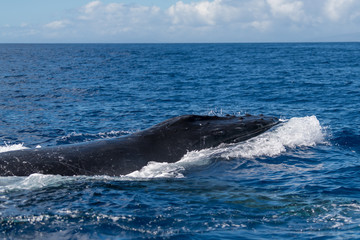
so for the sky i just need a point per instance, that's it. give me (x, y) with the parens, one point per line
(172, 21)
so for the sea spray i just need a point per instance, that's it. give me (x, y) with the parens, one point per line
(12, 147)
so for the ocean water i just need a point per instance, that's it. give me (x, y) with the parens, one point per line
(300, 180)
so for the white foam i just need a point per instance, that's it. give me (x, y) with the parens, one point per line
(12, 147)
(159, 170)
(297, 132)
(290, 134)
(34, 181)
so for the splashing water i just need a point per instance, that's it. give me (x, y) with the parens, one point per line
(12, 147)
(296, 132)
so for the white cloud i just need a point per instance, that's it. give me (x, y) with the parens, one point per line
(340, 10)
(24, 25)
(115, 18)
(260, 25)
(202, 21)
(91, 7)
(217, 12)
(287, 8)
(57, 24)
(202, 13)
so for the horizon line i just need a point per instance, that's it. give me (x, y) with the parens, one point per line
(265, 42)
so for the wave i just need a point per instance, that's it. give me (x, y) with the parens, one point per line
(32, 182)
(348, 139)
(290, 134)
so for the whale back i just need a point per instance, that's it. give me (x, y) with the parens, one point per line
(168, 141)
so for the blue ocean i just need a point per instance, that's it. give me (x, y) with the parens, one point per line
(299, 180)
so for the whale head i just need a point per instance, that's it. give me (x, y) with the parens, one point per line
(198, 132)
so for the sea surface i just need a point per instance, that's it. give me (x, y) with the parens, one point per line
(300, 180)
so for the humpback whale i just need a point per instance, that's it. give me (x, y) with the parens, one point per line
(168, 141)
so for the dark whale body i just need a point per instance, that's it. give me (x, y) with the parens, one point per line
(168, 141)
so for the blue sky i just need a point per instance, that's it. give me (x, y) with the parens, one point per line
(121, 21)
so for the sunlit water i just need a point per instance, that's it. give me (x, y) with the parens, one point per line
(298, 180)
